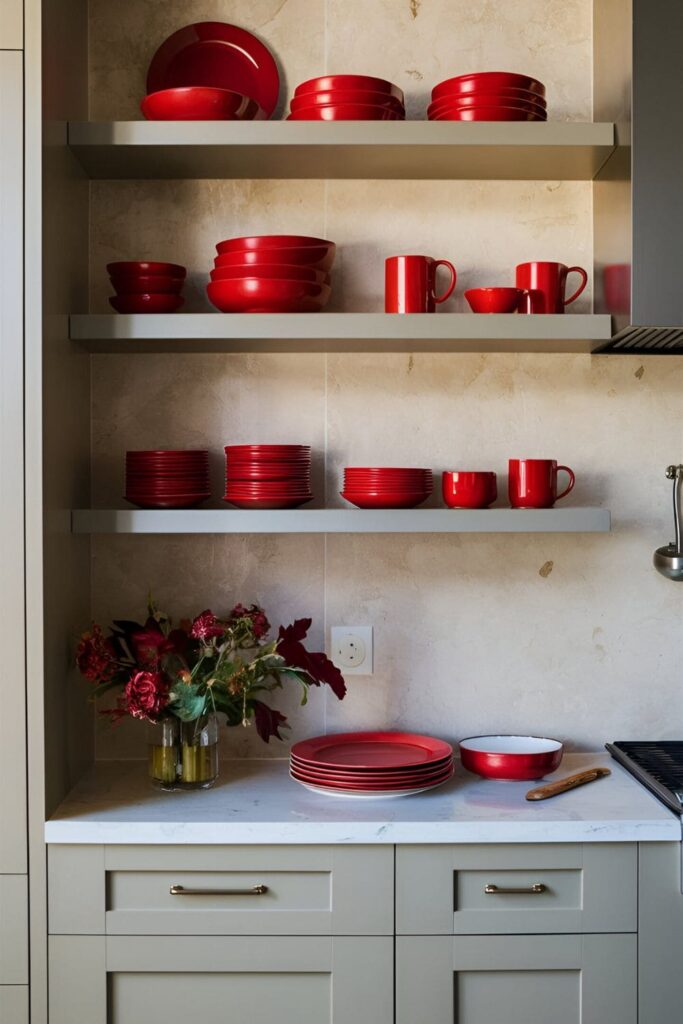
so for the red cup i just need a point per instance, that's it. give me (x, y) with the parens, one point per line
(532, 483)
(616, 283)
(410, 284)
(469, 489)
(547, 284)
(497, 300)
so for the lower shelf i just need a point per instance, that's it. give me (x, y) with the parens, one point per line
(342, 520)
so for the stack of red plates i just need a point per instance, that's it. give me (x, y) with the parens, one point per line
(167, 479)
(146, 286)
(347, 98)
(371, 764)
(267, 475)
(385, 487)
(489, 96)
(272, 274)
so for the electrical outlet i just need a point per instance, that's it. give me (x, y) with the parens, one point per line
(351, 649)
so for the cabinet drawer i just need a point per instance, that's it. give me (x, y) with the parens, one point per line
(558, 888)
(221, 890)
(11, 24)
(14, 1004)
(13, 930)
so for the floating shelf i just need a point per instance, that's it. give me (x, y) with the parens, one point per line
(340, 332)
(553, 150)
(343, 520)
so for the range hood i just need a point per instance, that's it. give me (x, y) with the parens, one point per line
(638, 194)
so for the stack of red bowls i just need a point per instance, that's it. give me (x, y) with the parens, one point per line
(347, 98)
(489, 96)
(268, 475)
(146, 286)
(272, 274)
(168, 478)
(386, 487)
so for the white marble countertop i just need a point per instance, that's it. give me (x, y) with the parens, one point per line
(257, 802)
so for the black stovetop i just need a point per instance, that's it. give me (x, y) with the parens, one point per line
(657, 764)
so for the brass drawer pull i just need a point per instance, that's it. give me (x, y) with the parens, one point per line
(180, 890)
(531, 890)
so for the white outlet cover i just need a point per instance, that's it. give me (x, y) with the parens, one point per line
(351, 649)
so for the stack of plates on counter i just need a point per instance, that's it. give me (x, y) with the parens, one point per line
(371, 764)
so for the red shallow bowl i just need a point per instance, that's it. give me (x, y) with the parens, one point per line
(331, 83)
(190, 502)
(273, 503)
(271, 271)
(319, 257)
(488, 114)
(347, 112)
(237, 474)
(488, 100)
(152, 267)
(511, 758)
(256, 295)
(523, 95)
(335, 96)
(394, 499)
(271, 242)
(495, 300)
(487, 81)
(157, 284)
(200, 103)
(146, 303)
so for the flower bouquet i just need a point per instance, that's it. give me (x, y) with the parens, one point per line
(179, 680)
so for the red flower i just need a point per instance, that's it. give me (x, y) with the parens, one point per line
(146, 695)
(206, 626)
(259, 623)
(95, 656)
(149, 644)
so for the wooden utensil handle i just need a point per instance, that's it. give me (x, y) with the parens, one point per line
(571, 782)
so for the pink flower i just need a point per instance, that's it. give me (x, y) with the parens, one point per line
(95, 656)
(146, 695)
(259, 623)
(206, 626)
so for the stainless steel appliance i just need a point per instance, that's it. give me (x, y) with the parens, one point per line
(657, 764)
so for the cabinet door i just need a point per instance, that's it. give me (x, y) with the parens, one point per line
(14, 1004)
(13, 930)
(520, 979)
(293, 980)
(11, 24)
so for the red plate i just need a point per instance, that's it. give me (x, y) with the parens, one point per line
(146, 303)
(315, 766)
(386, 469)
(381, 787)
(347, 112)
(200, 103)
(269, 503)
(511, 758)
(271, 242)
(331, 83)
(488, 114)
(213, 53)
(270, 450)
(320, 257)
(259, 295)
(153, 267)
(372, 750)
(487, 81)
(401, 777)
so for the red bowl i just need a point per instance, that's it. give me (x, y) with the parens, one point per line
(511, 758)
(146, 303)
(495, 300)
(330, 83)
(158, 284)
(272, 503)
(336, 96)
(484, 100)
(269, 449)
(179, 501)
(319, 257)
(271, 242)
(488, 114)
(487, 81)
(518, 95)
(347, 112)
(271, 271)
(395, 499)
(151, 267)
(258, 295)
(200, 103)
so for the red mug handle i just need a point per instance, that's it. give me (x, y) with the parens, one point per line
(584, 282)
(454, 278)
(572, 481)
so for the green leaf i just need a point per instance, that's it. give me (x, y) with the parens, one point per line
(188, 704)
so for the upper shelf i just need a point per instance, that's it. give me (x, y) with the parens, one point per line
(340, 332)
(444, 150)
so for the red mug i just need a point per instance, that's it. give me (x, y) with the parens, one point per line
(547, 284)
(469, 489)
(410, 284)
(532, 483)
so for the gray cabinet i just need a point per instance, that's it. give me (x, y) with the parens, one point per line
(14, 1004)
(11, 24)
(13, 930)
(531, 979)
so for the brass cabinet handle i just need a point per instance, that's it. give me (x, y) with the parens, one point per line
(531, 890)
(180, 890)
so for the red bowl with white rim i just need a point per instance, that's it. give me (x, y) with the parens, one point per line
(511, 758)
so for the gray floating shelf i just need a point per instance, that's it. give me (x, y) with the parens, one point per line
(340, 332)
(343, 520)
(552, 150)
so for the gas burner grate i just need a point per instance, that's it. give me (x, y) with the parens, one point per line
(657, 764)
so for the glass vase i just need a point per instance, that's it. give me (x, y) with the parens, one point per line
(183, 755)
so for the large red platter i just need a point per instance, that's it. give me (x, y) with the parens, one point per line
(213, 53)
(394, 773)
(372, 749)
(402, 777)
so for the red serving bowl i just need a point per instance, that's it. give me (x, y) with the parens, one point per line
(331, 83)
(127, 284)
(151, 267)
(347, 112)
(146, 302)
(488, 114)
(511, 758)
(389, 499)
(271, 271)
(200, 103)
(271, 242)
(336, 96)
(319, 257)
(260, 295)
(487, 81)
(517, 95)
(485, 100)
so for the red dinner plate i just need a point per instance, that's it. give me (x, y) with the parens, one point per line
(401, 777)
(372, 749)
(146, 302)
(331, 83)
(200, 103)
(384, 787)
(215, 54)
(511, 758)
(487, 81)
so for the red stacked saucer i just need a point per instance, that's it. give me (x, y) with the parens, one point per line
(384, 487)
(268, 475)
(167, 479)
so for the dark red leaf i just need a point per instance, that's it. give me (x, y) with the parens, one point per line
(268, 720)
(316, 665)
